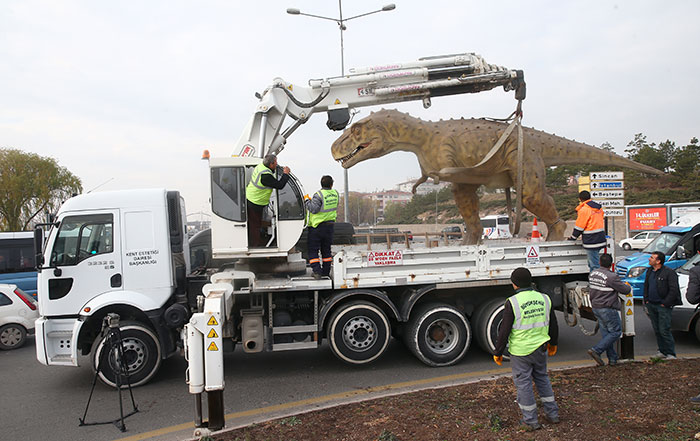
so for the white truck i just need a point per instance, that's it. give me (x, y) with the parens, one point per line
(126, 252)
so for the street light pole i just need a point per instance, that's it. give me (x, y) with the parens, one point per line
(341, 24)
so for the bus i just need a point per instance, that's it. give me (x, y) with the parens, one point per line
(17, 261)
(495, 227)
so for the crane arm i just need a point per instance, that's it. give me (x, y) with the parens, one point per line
(392, 83)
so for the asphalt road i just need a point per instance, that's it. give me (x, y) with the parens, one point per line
(40, 402)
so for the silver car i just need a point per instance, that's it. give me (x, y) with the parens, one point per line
(639, 240)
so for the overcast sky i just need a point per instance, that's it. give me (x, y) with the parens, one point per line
(130, 92)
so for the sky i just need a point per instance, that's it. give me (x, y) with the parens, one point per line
(127, 94)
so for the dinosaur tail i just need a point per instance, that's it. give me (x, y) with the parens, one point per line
(561, 151)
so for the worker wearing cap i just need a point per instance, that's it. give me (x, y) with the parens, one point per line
(258, 192)
(323, 210)
(590, 225)
(529, 326)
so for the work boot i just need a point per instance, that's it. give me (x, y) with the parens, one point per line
(695, 399)
(670, 357)
(530, 426)
(659, 354)
(317, 276)
(596, 356)
(552, 419)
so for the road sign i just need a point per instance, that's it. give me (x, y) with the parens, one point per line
(614, 212)
(608, 194)
(611, 202)
(607, 185)
(607, 176)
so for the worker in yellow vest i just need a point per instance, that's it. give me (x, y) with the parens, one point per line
(257, 194)
(323, 210)
(529, 326)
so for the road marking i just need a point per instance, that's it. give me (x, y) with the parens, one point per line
(559, 365)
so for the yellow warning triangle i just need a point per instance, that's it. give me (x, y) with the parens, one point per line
(629, 303)
(212, 347)
(212, 321)
(629, 312)
(212, 334)
(290, 87)
(337, 101)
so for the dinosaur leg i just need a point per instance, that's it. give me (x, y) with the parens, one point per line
(420, 180)
(539, 203)
(468, 204)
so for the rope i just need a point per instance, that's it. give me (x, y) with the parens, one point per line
(578, 295)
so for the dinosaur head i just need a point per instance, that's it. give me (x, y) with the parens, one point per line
(367, 138)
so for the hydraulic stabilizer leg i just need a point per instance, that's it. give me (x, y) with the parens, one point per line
(215, 404)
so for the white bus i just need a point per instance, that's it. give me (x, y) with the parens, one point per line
(495, 227)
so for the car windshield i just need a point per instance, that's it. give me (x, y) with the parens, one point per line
(685, 269)
(664, 242)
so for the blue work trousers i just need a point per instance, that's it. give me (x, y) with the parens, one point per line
(526, 370)
(610, 331)
(321, 238)
(593, 258)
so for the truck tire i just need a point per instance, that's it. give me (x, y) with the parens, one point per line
(697, 327)
(438, 334)
(487, 322)
(359, 332)
(141, 352)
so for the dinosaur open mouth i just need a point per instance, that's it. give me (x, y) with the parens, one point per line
(353, 153)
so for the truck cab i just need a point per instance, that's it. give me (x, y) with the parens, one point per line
(675, 241)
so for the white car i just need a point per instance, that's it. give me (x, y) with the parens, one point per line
(639, 241)
(18, 311)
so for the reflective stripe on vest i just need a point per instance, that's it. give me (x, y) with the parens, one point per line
(328, 208)
(531, 324)
(256, 192)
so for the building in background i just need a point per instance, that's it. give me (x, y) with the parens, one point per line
(426, 187)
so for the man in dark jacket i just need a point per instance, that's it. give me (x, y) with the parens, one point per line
(661, 294)
(604, 287)
(693, 297)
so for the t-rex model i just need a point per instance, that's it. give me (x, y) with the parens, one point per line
(461, 152)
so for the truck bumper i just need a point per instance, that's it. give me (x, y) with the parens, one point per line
(57, 341)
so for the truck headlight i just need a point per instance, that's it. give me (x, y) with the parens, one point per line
(636, 272)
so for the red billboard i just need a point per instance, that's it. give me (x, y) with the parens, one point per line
(649, 218)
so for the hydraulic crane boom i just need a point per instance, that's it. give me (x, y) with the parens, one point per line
(397, 82)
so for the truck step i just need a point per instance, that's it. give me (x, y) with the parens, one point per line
(60, 334)
(61, 358)
(291, 346)
(294, 329)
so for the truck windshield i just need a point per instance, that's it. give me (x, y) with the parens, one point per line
(664, 242)
(685, 269)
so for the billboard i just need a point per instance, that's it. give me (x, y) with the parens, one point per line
(647, 218)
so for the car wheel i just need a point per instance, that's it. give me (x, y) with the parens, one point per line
(438, 334)
(12, 336)
(359, 332)
(626, 246)
(142, 356)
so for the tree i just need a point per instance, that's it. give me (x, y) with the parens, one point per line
(29, 185)
(361, 209)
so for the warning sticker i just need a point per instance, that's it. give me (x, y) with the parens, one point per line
(533, 254)
(385, 258)
(629, 303)
(212, 334)
(212, 347)
(629, 312)
(212, 321)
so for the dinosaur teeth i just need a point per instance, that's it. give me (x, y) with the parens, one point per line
(353, 153)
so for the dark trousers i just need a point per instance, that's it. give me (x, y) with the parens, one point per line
(660, 318)
(530, 369)
(321, 238)
(255, 213)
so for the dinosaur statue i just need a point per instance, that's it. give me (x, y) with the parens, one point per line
(461, 152)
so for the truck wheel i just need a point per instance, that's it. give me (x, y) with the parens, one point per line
(141, 355)
(488, 321)
(12, 336)
(438, 334)
(359, 332)
(697, 328)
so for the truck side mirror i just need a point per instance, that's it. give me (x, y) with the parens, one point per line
(39, 246)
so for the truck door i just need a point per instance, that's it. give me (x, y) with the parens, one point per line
(85, 261)
(228, 204)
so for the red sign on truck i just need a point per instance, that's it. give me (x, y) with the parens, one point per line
(384, 258)
(651, 218)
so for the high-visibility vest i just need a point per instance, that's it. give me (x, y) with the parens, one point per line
(531, 324)
(328, 209)
(256, 192)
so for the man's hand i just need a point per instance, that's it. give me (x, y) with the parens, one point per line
(498, 359)
(286, 170)
(551, 350)
(307, 197)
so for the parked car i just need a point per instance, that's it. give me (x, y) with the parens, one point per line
(18, 311)
(452, 232)
(639, 240)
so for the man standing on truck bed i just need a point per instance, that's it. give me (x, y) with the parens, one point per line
(590, 224)
(661, 294)
(323, 212)
(530, 328)
(258, 192)
(604, 287)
